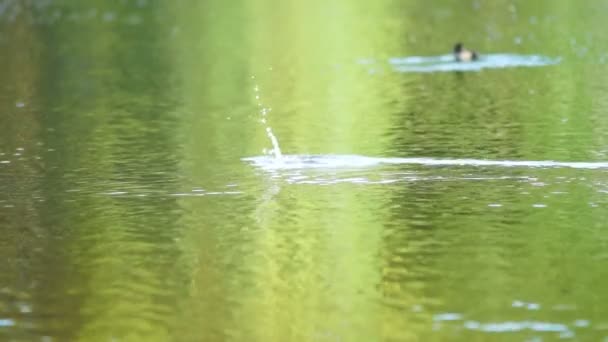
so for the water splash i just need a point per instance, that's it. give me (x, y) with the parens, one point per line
(276, 150)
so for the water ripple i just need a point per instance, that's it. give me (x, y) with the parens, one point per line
(513, 326)
(290, 162)
(446, 63)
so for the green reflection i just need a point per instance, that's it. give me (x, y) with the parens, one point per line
(107, 113)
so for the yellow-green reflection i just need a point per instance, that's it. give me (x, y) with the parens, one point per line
(312, 276)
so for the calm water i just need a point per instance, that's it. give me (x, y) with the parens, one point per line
(417, 199)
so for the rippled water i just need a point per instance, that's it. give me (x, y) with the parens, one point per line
(303, 171)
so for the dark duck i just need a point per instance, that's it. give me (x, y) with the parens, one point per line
(462, 54)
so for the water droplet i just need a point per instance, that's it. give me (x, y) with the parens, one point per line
(448, 316)
(533, 306)
(517, 304)
(6, 322)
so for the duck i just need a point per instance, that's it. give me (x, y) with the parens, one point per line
(462, 54)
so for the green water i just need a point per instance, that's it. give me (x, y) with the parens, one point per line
(128, 214)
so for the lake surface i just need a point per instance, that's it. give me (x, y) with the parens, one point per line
(415, 199)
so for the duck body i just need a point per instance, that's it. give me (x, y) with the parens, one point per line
(461, 54)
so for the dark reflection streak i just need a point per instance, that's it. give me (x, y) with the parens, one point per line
(110, 119)
(24, 236)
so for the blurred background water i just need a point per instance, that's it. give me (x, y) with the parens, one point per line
(128, 211)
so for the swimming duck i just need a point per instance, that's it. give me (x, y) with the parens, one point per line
(462, 54)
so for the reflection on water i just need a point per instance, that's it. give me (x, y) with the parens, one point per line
(130, 210)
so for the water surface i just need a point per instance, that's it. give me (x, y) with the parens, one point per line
(141, 198)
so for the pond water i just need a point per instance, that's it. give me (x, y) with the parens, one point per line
(303, 171)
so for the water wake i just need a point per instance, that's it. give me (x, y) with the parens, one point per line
(291, 162)
(446, 63)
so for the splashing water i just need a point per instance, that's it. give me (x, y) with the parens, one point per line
(276, 150)
(275, 143)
